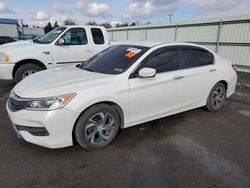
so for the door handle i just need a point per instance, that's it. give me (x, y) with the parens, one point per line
(178, 77)
(46, 53)
(212, 70)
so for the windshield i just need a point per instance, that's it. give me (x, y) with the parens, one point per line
(50, 36)
(115, 60)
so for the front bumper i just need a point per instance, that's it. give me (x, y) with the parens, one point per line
(6, 71)
(51, 129)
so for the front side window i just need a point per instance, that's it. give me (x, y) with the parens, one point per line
(115, 60)
(164, 61)
(50, 36)
(97, 35)
(75, 36)
(196, 58)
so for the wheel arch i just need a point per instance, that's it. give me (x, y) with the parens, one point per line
(113, 104)
(27, 61)
(224, 83)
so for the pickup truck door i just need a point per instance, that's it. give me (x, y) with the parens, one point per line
(75, 49)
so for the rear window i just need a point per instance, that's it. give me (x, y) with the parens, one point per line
(97, 36)
(115, 60)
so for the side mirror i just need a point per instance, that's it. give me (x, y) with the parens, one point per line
(60, 42)
(147, 72)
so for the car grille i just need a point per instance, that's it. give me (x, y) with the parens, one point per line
(15, 103)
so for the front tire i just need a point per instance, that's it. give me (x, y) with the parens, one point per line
(97, 127)
(25, 71)
(216, 97)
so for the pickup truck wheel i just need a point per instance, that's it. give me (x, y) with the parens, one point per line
(25, 71)
(97, 127)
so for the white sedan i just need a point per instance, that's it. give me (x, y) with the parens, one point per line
(125, 85)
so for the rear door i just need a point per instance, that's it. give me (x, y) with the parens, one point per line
(150, 98)
(198, 75)
(76, 48)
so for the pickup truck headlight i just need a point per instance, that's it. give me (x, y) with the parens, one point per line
(4, 58)
(43, 104)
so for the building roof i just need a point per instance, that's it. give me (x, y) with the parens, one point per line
(8, 21)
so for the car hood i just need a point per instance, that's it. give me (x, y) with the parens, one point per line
(17, 44)
(58, 82)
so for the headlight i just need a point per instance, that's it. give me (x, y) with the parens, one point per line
(51, 103)
(4, 58)
(43, 104)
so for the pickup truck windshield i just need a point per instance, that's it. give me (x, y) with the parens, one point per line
(115, 60)
(51, 36)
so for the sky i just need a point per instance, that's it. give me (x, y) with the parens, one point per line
(39, 12)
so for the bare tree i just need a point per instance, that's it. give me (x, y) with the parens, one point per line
(91, 23)
(69, 22)
(106, 25)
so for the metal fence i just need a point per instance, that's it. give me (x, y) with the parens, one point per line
(228, 36)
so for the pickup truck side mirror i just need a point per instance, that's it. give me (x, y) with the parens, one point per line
(60, 42)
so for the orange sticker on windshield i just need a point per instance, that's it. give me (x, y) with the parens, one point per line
(132, 52)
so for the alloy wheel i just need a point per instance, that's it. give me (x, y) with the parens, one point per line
(99, 128)
(218, 98)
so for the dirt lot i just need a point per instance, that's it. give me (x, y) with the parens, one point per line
(192, 149)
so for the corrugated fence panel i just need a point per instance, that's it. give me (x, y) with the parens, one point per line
(198, 33)
(119, 35)
(239, 55)
(110, 35)
(138, 34)
(228, 36)
(161, 34)
(235, 33)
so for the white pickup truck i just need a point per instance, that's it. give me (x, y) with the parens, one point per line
(67, 45)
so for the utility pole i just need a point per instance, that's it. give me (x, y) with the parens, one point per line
(170, 17)
(22, 28)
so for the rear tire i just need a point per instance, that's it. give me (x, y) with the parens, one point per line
(26, 70)
(216, 97)
(97, 127)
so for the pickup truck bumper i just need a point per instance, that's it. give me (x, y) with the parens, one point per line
(6, 71)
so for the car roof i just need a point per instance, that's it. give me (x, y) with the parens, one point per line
(151, 44)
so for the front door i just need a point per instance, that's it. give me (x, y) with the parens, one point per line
(151, 98)
(74, 50)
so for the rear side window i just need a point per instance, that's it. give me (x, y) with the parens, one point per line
(164, 61)
(97, 35)
(196, 58)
